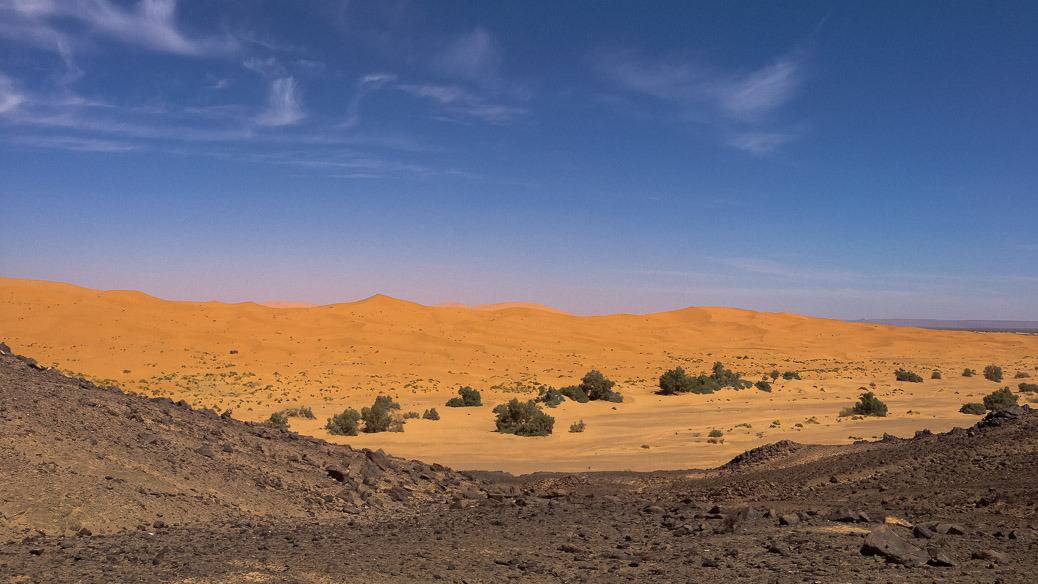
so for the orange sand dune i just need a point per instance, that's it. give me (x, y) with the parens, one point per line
(255, 359)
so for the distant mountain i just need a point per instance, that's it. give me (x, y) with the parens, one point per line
(961, 325)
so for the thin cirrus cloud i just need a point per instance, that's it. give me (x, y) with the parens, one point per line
(738, 104)
(150, 24)
(10, 98)
(284, 108)
(474, 56)
(459, 102)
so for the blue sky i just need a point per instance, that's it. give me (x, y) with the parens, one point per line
(835, 159)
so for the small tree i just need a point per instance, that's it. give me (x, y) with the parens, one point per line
(1002, 399)
(763, 385)
(973, 408)
(967, 372)
(868, 405)
(380, 417)
(904, 375)
(431, 414)
(523, 419)
(993, 373)
(935, 375)
(576, 427)
(599, 387)
(344, 424)
(774, 374)
(467, 398)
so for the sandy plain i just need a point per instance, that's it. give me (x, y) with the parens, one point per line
(255, 359)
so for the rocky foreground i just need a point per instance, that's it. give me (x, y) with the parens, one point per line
(100, 486)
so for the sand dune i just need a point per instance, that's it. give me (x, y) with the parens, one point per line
(255, 359)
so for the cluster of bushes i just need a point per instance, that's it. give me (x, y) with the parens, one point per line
(279, 419)
(466, 398)
(788, 375)
(1001, 399)
(431, 414)
(1028, 387)
(381, 416)
(676, 381)
(523, 419)
(763, 385)
(593, 386)
(577, 427)
(905, 375)
(868, 405)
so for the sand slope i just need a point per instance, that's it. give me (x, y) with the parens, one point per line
(339, 355)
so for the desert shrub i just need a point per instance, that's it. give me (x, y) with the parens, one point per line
(715, 433)
(904, 375)
(1021, 375)
(467, 398)
(278, 420)
(431, 414)
(298, 412)
(967, 372)
(523, 419)
(993, 373)
(599, 387)
(774, 374)
(974, 408)
(763, 386)
(935, 375)
(868, 405)
(1028, 387)
(344, 424)
(380, 416)
(576, 427)
(677, 381)
(550, 397)
(412, 415)
(1002, 399)
(575, 393)
(791, 375)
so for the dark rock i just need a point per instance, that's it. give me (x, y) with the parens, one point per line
(923, 532)
(885, 542)
(336, 473)
(941, 560)
(991, 556)
(789, 519)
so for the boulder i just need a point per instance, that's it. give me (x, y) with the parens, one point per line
(885, 542)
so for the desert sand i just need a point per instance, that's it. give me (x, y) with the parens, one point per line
(254, 359)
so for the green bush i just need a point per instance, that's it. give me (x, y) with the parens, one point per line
(935, 375)
(868, 405)
(676, 381)
(1002, 399)
(904, 375)
(431, 414)
(576, 427)
(278, 420)
(763, 386)
(599, 387)
(298, 412)
(1028, 387)
(774, 374)
(575, 393)
(523, 419)
(380, 417)
(967, 372)
(791, 375)
(715, 433)
(1021, 375)
(993, 373)
(467, 398)
(973, 408)
(344, 424)
(411, 415)
(550, 397)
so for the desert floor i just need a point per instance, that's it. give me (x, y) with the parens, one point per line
(255, 359)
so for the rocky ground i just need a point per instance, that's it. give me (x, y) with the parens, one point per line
(99, 486)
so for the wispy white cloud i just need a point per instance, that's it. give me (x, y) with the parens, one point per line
(459, 102)
(737, 104)
(75, 143)
(473, 56)
(269, 67)
(10, 97)
(149, 23)
(284, 108)
(365, 85)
